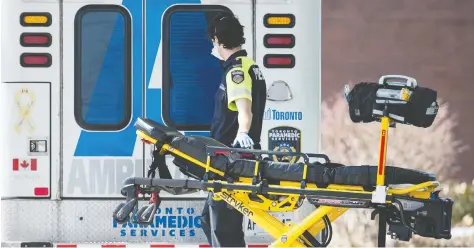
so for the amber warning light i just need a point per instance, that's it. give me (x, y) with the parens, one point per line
(279, 20)
(35, 19)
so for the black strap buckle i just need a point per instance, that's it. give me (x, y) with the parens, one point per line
(217, 186)
(262, 185)
(186, 184)
(303, 184)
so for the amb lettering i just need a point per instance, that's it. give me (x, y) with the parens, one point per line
(101, 176)
(168, 222)
(237, 204)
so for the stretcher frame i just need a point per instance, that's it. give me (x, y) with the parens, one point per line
(337, 199)
(331, 201)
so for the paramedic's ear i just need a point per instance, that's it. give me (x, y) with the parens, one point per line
(215, 49)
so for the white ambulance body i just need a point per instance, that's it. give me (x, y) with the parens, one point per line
(75, 76)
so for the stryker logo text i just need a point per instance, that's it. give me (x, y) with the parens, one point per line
(236, 204)
(272, 114)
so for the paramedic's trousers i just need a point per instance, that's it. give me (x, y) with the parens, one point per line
(222, 224)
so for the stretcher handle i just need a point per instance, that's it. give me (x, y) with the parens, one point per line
(401, 81)
(317, 155)
(215, 150)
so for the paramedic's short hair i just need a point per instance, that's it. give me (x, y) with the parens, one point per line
(228, 30)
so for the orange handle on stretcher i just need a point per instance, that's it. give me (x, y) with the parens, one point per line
(383, 151)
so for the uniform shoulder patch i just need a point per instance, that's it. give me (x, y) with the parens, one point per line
(237, 76)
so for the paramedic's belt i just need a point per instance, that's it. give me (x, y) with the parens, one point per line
(407, 200)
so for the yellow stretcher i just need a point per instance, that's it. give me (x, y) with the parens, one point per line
(256, 186)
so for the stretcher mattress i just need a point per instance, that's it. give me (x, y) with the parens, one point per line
(235, 166)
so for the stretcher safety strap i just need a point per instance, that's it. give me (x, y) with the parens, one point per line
(305, 171)
(256, 172)
(208, 163)
(205, 178)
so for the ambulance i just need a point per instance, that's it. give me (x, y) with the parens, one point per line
(76, 74)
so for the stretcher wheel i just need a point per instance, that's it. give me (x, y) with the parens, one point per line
(146, 217)
(139, 212)
(120, 218)
(123, 210)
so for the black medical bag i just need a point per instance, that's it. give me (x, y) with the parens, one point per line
(423, 107)
(361, 102)
(403, 101)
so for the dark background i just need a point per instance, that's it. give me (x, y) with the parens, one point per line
(430, 40)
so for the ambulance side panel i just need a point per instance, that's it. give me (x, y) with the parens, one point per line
(31, 112)
(292, 115)
(30, 84)
(300, 113)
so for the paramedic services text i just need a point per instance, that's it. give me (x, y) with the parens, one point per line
(169, 222)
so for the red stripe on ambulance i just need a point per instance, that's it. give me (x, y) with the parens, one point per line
(162, 246)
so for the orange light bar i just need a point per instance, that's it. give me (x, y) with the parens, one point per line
(279, 20)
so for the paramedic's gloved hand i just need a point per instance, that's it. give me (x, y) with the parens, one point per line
(244, 140)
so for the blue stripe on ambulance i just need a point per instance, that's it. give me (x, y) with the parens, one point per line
(122, 143)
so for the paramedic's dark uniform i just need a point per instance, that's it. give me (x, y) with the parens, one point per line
(242, 78)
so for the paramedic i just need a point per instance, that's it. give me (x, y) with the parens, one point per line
(238, 115)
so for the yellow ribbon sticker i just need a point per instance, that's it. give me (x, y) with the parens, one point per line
(24, 100)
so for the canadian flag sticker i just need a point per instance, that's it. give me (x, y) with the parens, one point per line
(24, 164)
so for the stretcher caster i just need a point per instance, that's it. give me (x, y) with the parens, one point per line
(122, 211)
(145, 215)
(121, 219)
